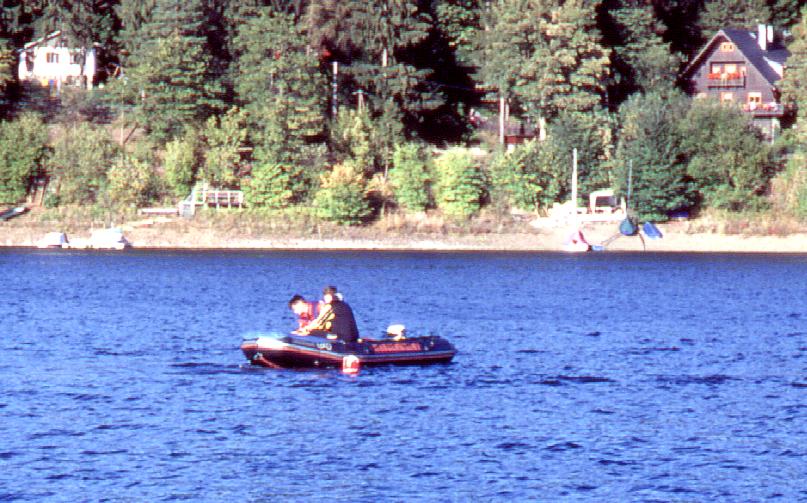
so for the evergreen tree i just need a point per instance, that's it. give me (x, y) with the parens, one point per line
(17, 20)
(133, 15)
(785, 13)
(281, 88)
(461, 21)
(378, 42)
(170, 83)
(719, 14)
(546, 55)
(642, 61)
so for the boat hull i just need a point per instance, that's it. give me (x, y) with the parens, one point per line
(294, 351)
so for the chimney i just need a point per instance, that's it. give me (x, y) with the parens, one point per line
(762, 36)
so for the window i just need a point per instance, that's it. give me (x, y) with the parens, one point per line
(726, 97)
(726, 47)
(74, 58)
(52, 57)
(755, 98)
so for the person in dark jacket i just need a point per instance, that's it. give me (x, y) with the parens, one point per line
(335, 317)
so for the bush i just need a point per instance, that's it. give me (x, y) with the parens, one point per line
(461, 184)
(650, 143)
(272, 185)
(342, 196)
(795, 185)
(410, 177)
(82, 155)
(526, 178)
(131, 182)
(22, 155)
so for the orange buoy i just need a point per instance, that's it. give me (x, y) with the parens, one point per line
(351, 364)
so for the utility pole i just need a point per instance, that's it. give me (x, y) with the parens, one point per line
(501, 118)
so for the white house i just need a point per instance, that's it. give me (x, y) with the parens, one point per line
(51, 63)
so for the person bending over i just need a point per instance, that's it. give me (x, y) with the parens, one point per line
(306, 311)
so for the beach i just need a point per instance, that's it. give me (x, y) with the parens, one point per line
(167, 233)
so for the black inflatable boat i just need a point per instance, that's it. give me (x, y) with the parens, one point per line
(300, 351)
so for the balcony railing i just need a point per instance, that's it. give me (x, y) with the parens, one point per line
(764, 108)
(725, 80)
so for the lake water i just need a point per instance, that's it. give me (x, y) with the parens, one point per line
(604, 377)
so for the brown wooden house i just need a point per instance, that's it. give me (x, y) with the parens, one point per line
(742, 67)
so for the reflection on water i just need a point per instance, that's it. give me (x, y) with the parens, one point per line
(604, 377)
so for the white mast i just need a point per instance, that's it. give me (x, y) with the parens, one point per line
(574, 183)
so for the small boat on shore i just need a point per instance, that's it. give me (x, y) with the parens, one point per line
(310, 351)
(10, 213)
(53, 240)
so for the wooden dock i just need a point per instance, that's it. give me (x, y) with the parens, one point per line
(203, 195)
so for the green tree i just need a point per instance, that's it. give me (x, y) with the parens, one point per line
(23, 150)
(461, 21)
(181, 163)
(133, 15)
(342, 196)
(651, 149)
(7, 62)
(785, 13)
(728, 157)
(461, 184)
(81, 157)
(641, 59)
(274, 185)
(794, 83)
(718, 14)
(170, 83)
(225, 136)
(281, 88)
(516, 176)
(546, 56)
(794, 94)
(410, 177)
(378, 44)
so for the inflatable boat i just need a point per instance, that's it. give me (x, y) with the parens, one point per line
(301, 351)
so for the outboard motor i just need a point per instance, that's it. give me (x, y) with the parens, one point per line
(396, 332)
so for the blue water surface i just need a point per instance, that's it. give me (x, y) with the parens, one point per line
(603, 377)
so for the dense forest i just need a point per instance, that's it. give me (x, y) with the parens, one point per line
(345, 108)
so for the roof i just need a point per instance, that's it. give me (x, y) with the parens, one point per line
(766, 62)
(41, 40)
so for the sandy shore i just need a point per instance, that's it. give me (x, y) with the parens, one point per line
(189, 235)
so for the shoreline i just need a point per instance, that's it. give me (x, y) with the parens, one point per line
(151, 235)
